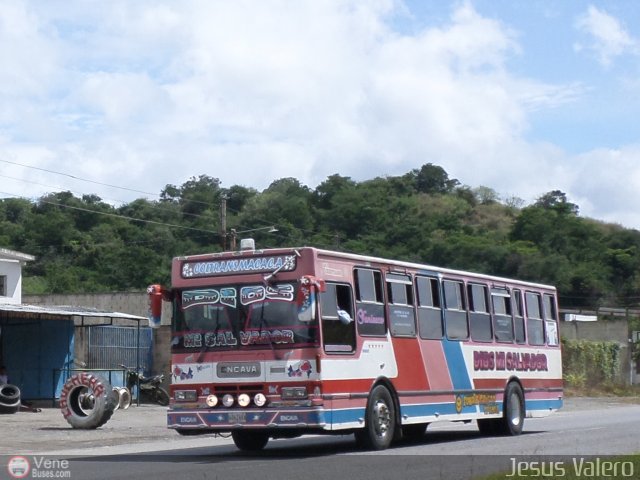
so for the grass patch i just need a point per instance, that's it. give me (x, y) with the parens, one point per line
(605, 390)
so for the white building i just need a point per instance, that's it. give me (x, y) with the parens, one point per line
(11, 263)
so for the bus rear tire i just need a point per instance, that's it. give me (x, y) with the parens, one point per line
(249, 441)
(513, 410)
(380, 421)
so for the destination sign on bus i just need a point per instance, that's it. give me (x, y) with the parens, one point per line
(512, 361)
(213, 268)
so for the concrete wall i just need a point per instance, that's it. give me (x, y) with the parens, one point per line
(615, 330)
(134, 303)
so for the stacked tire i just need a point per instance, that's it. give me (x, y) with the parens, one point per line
(87, 401)
(9, 398)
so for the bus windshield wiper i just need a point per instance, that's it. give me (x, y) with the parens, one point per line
(288, 264)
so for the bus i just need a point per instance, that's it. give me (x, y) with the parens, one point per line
(278, 343)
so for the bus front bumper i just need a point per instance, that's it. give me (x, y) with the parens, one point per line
(232, 419)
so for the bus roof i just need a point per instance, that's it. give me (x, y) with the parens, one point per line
(364, 259)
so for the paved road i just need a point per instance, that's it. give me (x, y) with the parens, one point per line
(136, 444)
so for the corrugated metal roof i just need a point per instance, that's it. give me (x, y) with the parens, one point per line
(58, 310)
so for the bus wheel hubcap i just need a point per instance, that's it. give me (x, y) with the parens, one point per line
(382, 418)
(514, 403)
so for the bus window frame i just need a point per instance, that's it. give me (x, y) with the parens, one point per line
(472, 288)
(379, 291)
(505, 294)
(530, 320)
(337, 319)
(464, 310)
(551, 328)
(433, 308)
(394, 279)
(517, 307)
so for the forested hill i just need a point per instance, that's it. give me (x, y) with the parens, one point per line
(87, 245)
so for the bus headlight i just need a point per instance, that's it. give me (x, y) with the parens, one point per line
(212, 401)
(260, 400)
(244, 400)
(227, 400)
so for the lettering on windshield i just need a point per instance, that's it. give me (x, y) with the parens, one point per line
(228, 339)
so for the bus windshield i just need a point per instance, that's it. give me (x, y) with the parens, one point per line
(241, 316)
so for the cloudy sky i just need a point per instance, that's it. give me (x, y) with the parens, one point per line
(520, 96)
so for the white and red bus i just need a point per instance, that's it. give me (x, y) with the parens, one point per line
(283, 342)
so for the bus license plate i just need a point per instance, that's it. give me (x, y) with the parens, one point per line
(237, 417)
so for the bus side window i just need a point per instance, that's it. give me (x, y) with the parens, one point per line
(429, 308)
(455, 310)
(338, 325)
(550, 319)
(518, 316)
(370, 310)
(479, 317)
(535, 326)
(402, 319)
(502, 319)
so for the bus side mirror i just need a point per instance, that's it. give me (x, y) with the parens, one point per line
(155, 293)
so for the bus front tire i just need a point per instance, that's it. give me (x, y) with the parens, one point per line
(249, 441)
(380, 421)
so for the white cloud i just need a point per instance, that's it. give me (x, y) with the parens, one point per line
(609, 37)
(146, 93)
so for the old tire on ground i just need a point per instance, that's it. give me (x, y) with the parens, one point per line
(124, 398)
(249, 441)
(513, 410)
(9, 393)
(380, 421)
(7, 408)
(87, 401)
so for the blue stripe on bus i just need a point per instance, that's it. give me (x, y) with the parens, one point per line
(542, 404)
(455, 363)
(428, 410)
(348, 415)
(351, 415)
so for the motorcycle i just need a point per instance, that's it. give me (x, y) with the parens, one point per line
(148, 387)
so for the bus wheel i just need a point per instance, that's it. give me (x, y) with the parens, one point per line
(380, 421)
(249, 441)
(513, 410)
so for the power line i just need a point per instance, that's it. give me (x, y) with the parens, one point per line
(122, 202)
(265, 222)
(125, 217)
(77, 178)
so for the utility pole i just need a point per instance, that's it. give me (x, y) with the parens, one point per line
(223, 223)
